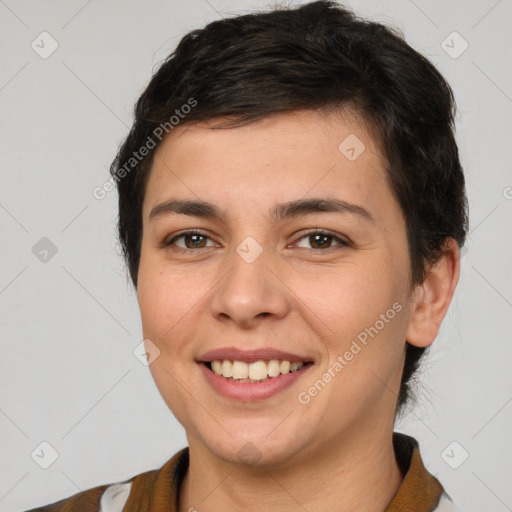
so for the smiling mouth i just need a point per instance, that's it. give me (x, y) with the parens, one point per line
(257, 371)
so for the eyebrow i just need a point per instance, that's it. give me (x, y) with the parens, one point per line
(291, 209)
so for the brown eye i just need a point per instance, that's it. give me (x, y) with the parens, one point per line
(191, 240)
(322, 240)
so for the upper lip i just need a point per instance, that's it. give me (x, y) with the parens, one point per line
(250, 356)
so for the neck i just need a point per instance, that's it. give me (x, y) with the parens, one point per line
(356, 473)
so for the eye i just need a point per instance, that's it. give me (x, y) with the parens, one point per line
(192, 240)
(318, 239)
(322, 240)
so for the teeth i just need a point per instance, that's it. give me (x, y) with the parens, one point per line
(258, 370)
(273, 368)
(240, 370)
(253, 372)
(284, 367)
(217, 367)
(295, 366)
(227, 369)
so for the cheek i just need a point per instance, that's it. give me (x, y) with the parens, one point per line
(169, 303)
(157, 300)
(365, 314)
(349, 299)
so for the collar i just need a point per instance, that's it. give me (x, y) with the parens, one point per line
(420, 491)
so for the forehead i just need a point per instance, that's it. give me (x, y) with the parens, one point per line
(279, 158)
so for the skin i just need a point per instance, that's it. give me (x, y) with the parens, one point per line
(312, 299)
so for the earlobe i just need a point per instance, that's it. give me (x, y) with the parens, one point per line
(432, 298)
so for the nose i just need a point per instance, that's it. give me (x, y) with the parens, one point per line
(250, 292)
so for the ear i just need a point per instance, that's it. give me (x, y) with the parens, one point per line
(432, 298)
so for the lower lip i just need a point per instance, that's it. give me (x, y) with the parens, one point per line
(247, 391)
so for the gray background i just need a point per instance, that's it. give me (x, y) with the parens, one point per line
(70, 323)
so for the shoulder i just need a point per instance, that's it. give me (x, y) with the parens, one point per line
(113, 497)
(104, 498)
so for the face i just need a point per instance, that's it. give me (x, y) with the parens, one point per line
(265, 275)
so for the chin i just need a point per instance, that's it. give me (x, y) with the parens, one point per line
(256, 450)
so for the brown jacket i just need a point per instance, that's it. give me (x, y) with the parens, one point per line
(157, 490)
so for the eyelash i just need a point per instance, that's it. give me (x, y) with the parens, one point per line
(341, 242)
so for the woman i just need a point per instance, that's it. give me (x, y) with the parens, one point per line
(291, 209)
